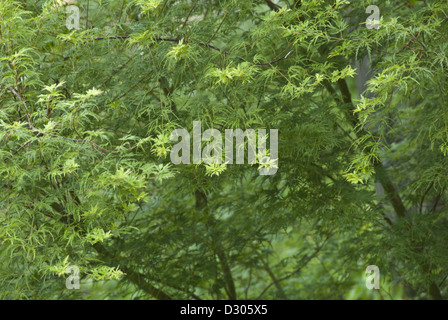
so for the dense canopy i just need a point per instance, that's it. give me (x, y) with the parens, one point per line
(86, 177)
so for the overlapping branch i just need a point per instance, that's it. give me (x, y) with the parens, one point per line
(203, 44)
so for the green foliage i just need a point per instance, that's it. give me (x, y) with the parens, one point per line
(86, 178)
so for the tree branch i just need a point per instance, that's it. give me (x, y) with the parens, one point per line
(203, 44)
(276, 60)
(201, 203)
(276, 282)
(134, 276)
(177, 40)
(93, 144)
(272, 5)
(381, 173)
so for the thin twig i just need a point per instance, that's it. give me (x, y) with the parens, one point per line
(14, 92)
(276, 60)
(93, 144)
(177, 40)
(171, 40)
(219, 27)
(189, 13)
